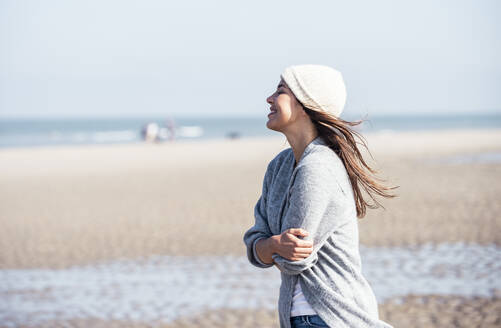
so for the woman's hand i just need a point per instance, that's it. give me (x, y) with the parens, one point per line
(287, 245)
(290, 246)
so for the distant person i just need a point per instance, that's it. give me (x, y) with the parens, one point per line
(233, 135)
(171, 129)
(306, 218)
(150, 132)
(167, 132)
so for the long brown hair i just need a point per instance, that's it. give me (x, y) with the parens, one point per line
(338, 135)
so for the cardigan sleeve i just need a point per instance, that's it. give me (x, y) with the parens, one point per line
(261, 229)
(315, 204)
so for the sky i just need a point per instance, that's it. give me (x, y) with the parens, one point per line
(123, 58)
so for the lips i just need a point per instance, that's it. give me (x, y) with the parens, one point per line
(272, 111)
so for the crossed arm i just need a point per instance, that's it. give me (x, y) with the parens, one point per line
(307, 217)
(287, 245)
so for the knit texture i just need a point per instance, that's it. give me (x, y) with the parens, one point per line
(317, 87)
(316, 196)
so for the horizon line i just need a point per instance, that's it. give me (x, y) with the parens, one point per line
(235, 116)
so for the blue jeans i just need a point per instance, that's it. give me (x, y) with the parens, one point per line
(305, 321)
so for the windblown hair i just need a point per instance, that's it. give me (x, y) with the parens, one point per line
(338, 135)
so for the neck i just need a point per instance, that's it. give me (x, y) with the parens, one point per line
(300, 140)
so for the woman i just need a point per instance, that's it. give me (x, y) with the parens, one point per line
(306, 218)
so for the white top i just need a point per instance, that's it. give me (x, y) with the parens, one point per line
(300, 305)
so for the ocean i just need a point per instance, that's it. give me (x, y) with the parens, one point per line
(53, 132)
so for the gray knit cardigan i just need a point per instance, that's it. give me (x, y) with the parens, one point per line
(317, 196)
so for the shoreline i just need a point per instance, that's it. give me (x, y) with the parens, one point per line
(216, 140)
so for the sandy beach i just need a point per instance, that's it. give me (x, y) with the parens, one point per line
(64, 207)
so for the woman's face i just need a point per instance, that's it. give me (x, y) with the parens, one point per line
(285, 109)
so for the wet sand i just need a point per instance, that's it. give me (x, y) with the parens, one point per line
(414, 312)
(69, 206)
(170, 288)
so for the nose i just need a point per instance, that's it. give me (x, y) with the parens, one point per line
(269, 100)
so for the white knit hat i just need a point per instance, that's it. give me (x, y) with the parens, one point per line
(317, 87)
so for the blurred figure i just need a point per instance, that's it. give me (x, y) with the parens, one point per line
(233, 135)
(171, 129)
(150, 132)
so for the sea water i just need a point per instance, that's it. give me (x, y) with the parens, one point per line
(164, 288)
(43, 132)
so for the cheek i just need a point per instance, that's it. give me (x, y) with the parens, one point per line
(284, 106)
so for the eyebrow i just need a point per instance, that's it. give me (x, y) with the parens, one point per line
(280, 85)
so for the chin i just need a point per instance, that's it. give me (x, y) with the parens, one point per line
(273, 126)
(270, 125)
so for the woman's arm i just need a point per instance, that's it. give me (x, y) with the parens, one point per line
(287, 245)
(261, 229)
(317, 203)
